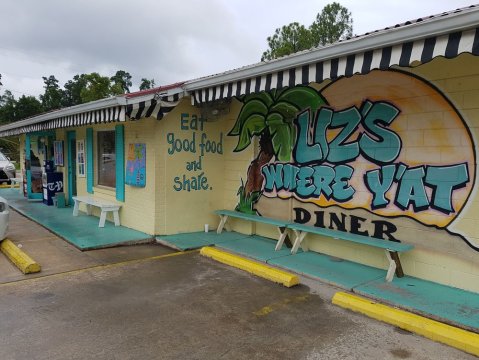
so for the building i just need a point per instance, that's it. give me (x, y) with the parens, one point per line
(373, 135)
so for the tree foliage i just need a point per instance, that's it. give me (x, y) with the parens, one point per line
(80, 89)
(73, 88)
(147, 84)
(287, 40)
(14, 110)
(121, 82)
(27, 106)
(97, 87)
(335, 22)
(52, 98)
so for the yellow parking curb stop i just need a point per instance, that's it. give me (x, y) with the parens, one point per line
(21, 260)
(253, 267)
(461, 339)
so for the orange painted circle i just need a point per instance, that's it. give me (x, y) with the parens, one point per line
(431, 130)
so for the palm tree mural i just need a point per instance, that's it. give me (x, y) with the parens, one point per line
(270, 117)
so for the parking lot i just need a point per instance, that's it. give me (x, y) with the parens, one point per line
(147, 302)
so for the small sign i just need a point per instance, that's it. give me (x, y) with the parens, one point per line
(58, 153)
(136, 165)
(81, 158)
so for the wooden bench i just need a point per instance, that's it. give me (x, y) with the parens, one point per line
(104, 205)
(391, 248)
(280, 224)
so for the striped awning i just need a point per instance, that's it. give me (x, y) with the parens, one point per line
(117, 109)
(155, 107)
(105, 115)
(403, 54)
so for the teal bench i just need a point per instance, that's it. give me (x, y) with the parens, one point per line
(391, 248)
(280, 224)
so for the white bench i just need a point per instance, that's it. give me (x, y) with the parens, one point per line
(104, 205)
(17, 180)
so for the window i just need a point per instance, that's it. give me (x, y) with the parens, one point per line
(106, 158)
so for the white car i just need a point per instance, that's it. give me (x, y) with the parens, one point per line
(7, 169)
(4, 218)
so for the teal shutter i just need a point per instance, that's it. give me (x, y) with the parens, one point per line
(27, 147)
(120, 162)
(89, 160)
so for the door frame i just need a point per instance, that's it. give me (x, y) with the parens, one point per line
(28, 172)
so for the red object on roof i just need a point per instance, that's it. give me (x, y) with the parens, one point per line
(154, 90)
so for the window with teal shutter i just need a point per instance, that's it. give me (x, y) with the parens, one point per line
(89, 160)
(120, 162)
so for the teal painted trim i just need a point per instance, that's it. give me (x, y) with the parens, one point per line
(27, 159)
(71, 135)
(120, 162)
(27, 147)
(89, 161)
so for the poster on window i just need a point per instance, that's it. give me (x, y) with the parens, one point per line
(136, 165)
(58, 153)
(81, 158)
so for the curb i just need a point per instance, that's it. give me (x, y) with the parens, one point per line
(461, 339)
(267, 272)
(19, 258)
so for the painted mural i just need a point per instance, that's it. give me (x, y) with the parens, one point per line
(192, 140)
(136, 165)
(384, 154)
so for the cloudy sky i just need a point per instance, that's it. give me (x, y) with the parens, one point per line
(169, 41)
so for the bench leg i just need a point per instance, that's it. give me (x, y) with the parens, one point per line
(102, 219)
(75, 208)
(88, 209)
(392, 267)
(116, 217)
(299, 238)
(282, 236)
(222, 223)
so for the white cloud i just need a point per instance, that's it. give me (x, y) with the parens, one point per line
(165, 40)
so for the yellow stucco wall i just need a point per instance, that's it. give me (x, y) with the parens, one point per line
(190, 168)
(430, 136)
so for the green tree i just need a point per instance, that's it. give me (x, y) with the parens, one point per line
(53, 95)
(27, 106)
(97, 87)
(121, 82)
(73, 88)
(8, 105)
(334, 23)
(287, 40)
(269, 116)
(147, 84)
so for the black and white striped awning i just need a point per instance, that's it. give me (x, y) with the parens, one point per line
(106, 115)
(156, 107)
(404, 54)
(134, 109)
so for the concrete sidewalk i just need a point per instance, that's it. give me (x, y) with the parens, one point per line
(58, 256)
(81, 231)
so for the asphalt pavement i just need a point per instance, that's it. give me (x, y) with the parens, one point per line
(148, 302)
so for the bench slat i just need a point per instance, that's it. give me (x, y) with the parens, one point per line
(104, 204)
(384, 244)
(256, 218)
